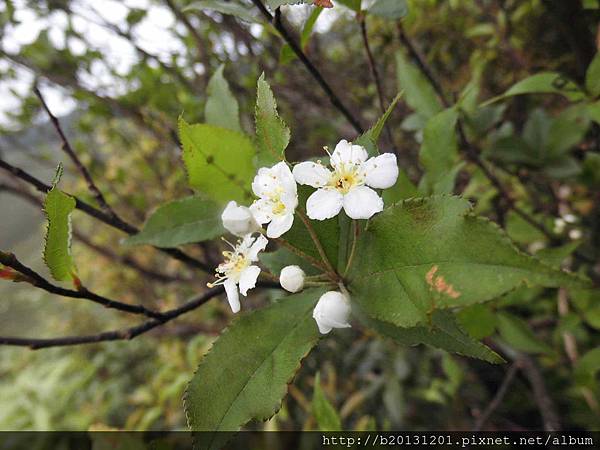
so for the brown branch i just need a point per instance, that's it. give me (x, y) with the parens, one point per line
(34, 278)
(314, 72)
(91, 211)
(68, 149)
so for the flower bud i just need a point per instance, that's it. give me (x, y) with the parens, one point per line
(239, 220)
(291, 278)
(332, 311)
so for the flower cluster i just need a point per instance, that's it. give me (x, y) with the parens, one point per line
(350, 184)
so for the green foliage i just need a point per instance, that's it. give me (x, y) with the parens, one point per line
(192, 219)
(325, 414)
(439, 153)
(592, 77)
(58, 207)
(218, 161)
(418, 92)
(389, 9)
(478, 321)
(588, 367)
(258, 355)
(282, 257)
(518, 335)
(221, 107)
(272, 134)
(370, 137)
(287, 54)
(426, 254)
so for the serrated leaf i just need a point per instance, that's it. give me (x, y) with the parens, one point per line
(425, 254)
(325, 414)
(272, 134)
(477, 320)
(592, 77)
(245, 374)
(516, 333)
(223, 7)
(58, 207)
(542, 83)
(221, 107)
(218, 161)
(389, 9)
(418, 92)
(370, 137)
(554, 256)
(439, 153)
(442, 332)
(588, 367)
(191, 219)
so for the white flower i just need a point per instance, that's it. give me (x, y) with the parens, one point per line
(291, 278)
(237, 269)
(278, 198)
(332, 311)
(239, 220)
(349, 184)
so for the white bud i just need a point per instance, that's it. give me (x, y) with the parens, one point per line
(575, 234)
(570, 218)
(291, 278)
(332, 311)
(239, 220)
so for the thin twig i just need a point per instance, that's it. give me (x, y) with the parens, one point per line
(10, 260)
(308, 258)
(115, 222)
(355, 234)
(333, 98)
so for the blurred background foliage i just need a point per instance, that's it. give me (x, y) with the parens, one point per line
(120, 73)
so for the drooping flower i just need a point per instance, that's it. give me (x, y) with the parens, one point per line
(237, 270)
(239, 220)
(349, 184)
(291, 278)
(332, 311)
(277, 195)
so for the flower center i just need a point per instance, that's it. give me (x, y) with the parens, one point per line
(277, 205)
(346, 177)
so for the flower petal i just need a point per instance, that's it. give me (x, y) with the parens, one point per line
(264, 182)
(258, 246)
(381, 171)
(362, 202)
(280, 225)
(261, 210)
(312, 174)
(346, 153)
(285, 177)
(233, 297)
(324, 204)
(248, 279)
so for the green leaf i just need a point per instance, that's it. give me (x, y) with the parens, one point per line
(425, 254)
(354, 5)
(257, 356)
(389, 9)
(325, 414)
(223, 7)
(280, 258)
(542, 83)
(218, 161)
(221, 107)
(478, 321)
(554, 256)
(403, 189)
(287, 54)
(439, 153)
(587, 368)
(58, 207)
(442, 332)
(272, 134)
(518, 335)
(370, 137)
(592, 77)
(192, 219)
(418, 92)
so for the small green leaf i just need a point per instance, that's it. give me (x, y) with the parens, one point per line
(588, 367)
(592, 77)
(389, 9)
(554, 256)
(420, 255)
(354, 5)
(370, 137)
(221, 107)
(245, 374)
(287, 54)
(439, 153)
(518, 335)
(272, 134)
(325, 414)
(223, 7)
(418, 92)
(218, 161)
(58, 207)
(192, 219)
(542, 83)
(442, 332)
(477, 320)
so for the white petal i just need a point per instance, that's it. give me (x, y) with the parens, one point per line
(258, 246)
(382, 171)
(346, 153)
(233, 297)
(263, 182)
(324, 204)
(332, 311)
(248, 279)
(285, 177)
(312, 174)
(280, 225)
(239, 220)
(362, 202)
(261, 210)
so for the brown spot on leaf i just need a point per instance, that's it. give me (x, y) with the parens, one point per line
(439, 283)
(323, 3)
